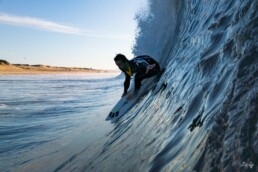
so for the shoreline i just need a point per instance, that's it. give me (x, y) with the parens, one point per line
(25, 69)
(51, 73)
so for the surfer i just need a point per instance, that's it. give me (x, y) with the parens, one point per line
(142, 66)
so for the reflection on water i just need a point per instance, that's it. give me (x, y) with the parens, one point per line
(47, 119)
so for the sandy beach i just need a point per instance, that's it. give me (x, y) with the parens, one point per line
(7, 68)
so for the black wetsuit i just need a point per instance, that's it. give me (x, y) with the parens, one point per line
(138, 66)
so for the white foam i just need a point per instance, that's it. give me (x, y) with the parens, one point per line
(154, 31)
(2, 106)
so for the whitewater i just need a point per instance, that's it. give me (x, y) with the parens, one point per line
(201, 116)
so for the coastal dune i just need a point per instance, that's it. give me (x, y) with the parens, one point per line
(7, 68)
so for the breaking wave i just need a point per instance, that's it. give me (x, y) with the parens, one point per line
(202, 115)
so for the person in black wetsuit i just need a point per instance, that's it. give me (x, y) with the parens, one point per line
(142, 66)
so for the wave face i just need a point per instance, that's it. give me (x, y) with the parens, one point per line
(202, 114)
(207, 119)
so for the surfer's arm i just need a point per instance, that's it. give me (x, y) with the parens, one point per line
(126, 84)
(137, 84)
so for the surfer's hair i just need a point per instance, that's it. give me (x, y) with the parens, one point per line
(120, 57)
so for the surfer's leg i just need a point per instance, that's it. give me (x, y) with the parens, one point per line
(153, 72)
(139, 77)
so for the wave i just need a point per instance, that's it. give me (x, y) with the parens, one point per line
(205, 119)
(202, 115)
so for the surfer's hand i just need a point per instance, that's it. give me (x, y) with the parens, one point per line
(130, 97)
(124, 94)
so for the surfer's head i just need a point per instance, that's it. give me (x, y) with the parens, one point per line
(121, 61)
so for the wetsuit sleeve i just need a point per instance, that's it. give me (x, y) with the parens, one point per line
(137, 82)
(126, 83)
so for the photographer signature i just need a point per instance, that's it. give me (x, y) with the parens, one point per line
(247, 164)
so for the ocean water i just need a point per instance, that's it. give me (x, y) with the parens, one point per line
(47, 119)
(200, 117)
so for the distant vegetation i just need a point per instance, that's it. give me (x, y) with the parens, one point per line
(4, 62)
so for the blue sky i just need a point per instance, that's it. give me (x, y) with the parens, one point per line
(75, 33)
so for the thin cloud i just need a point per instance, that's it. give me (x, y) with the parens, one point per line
(39, 23)
(55, 27)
